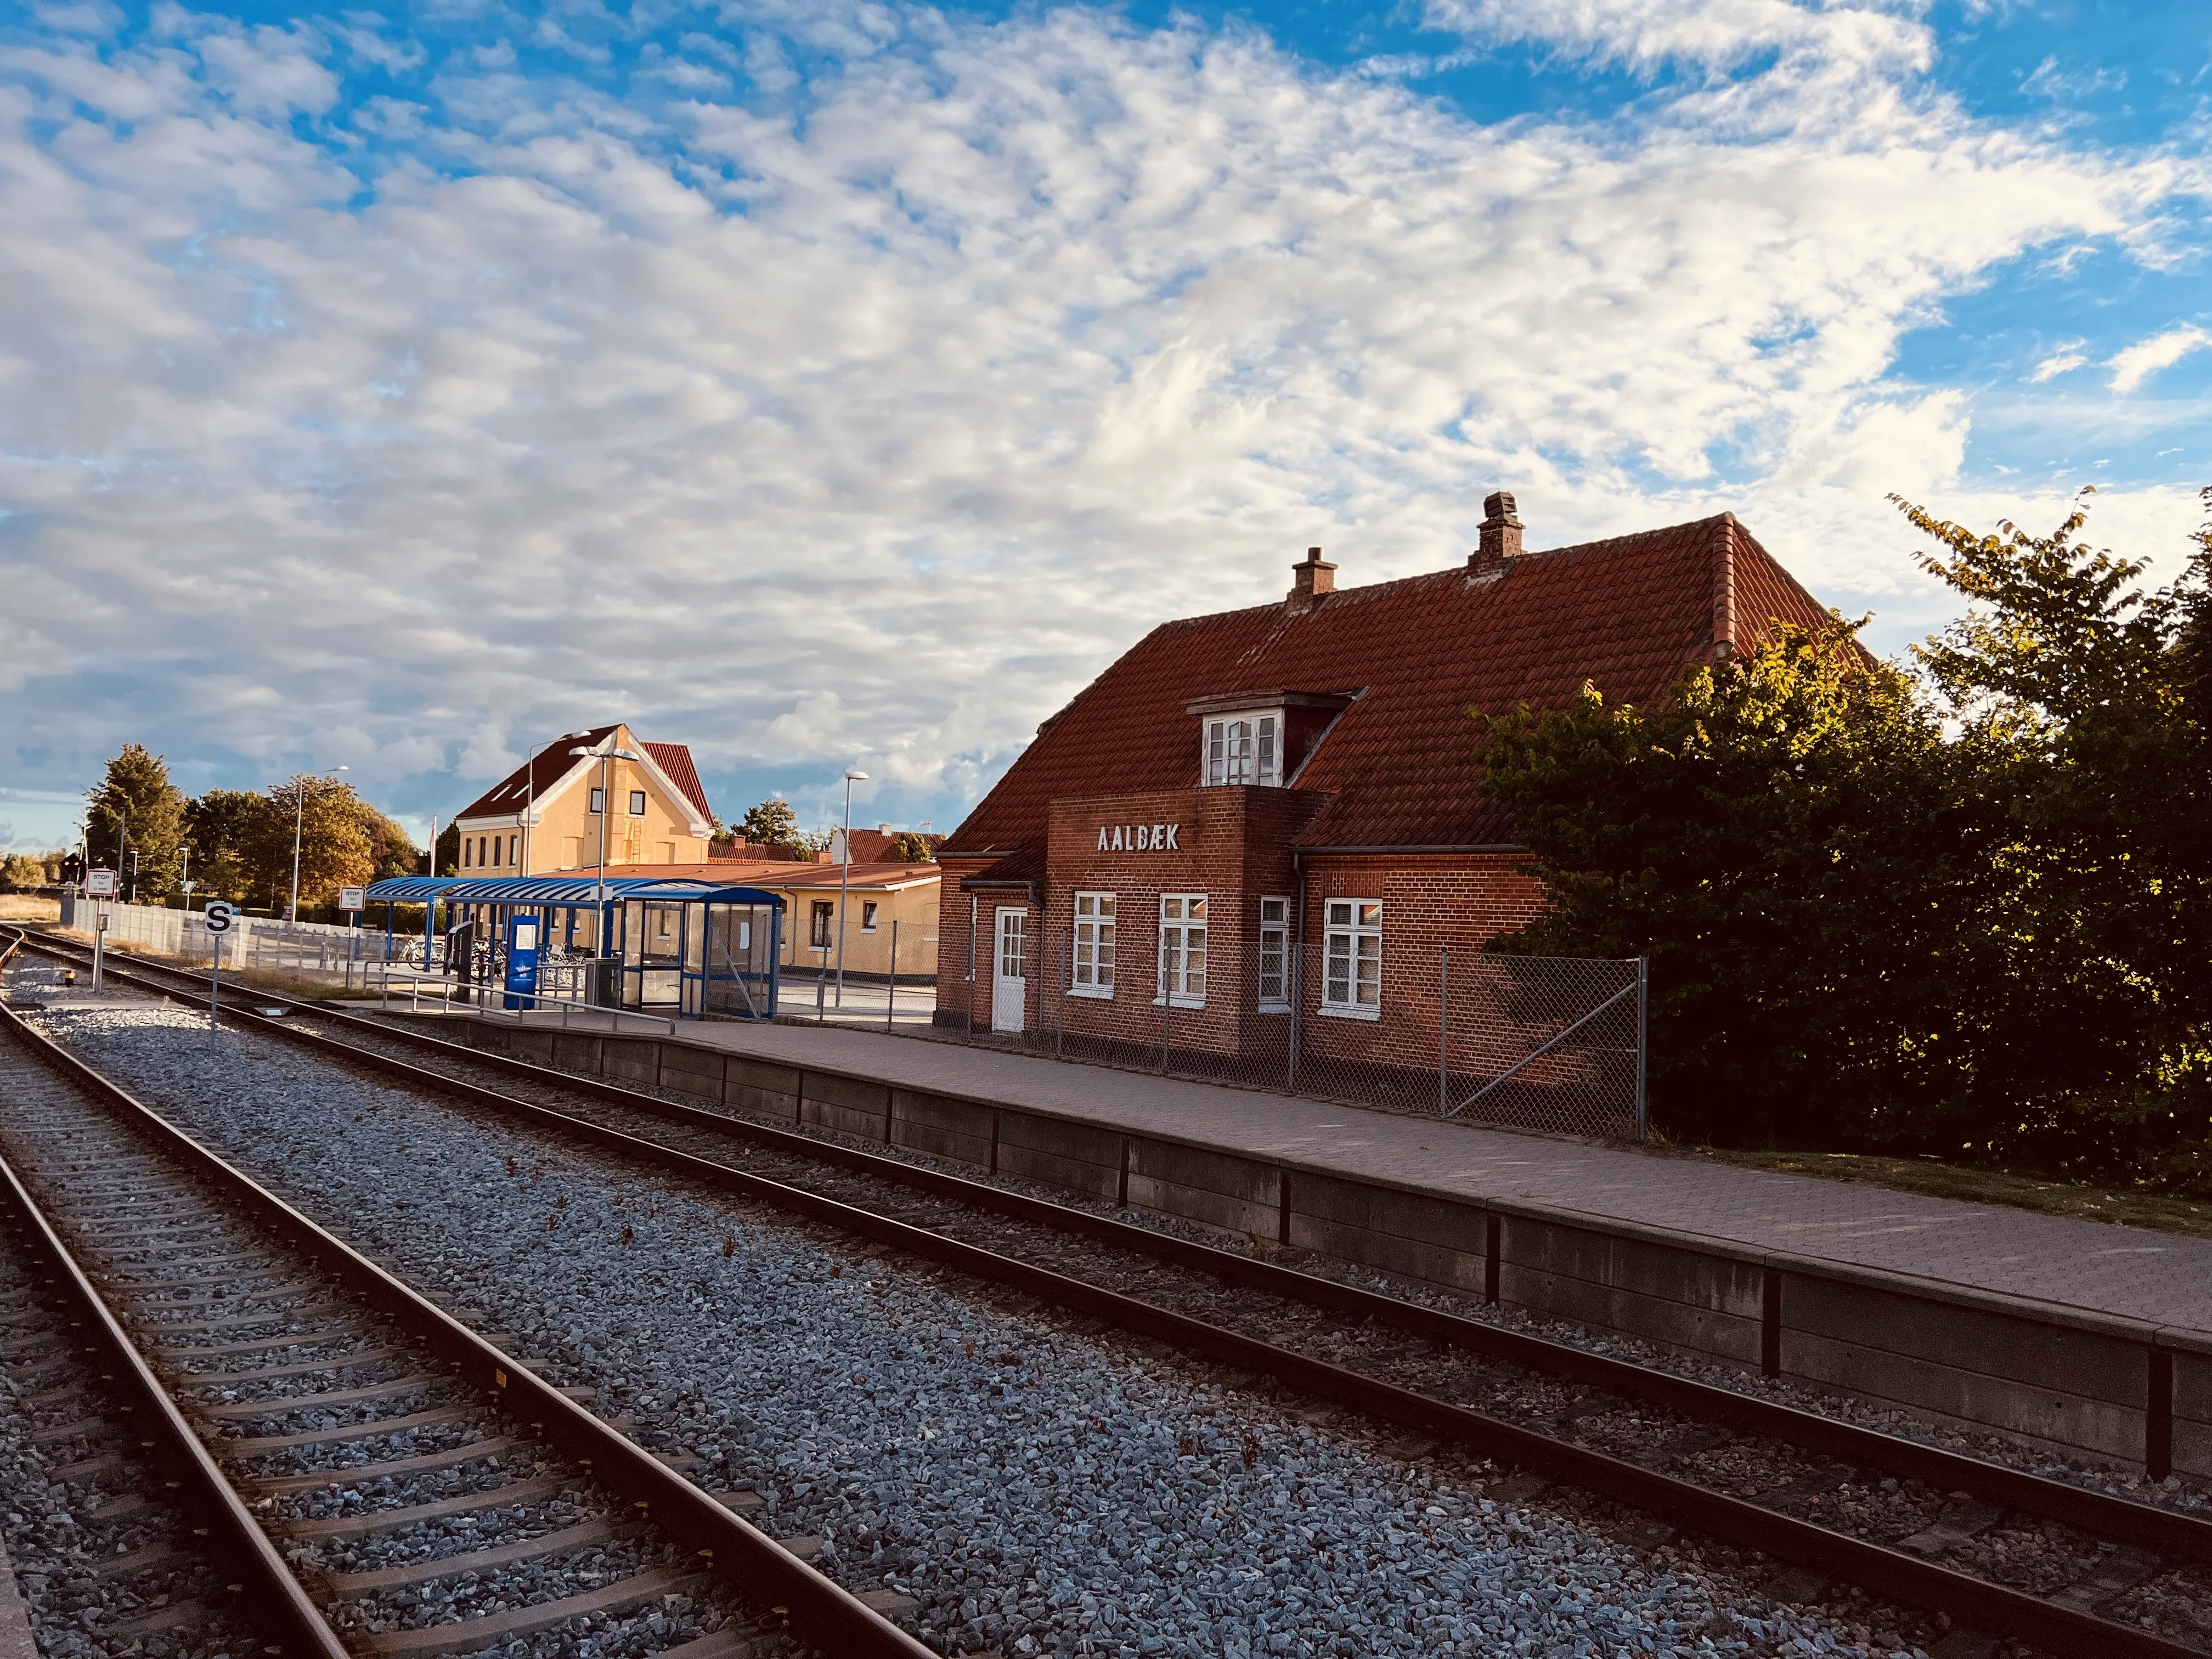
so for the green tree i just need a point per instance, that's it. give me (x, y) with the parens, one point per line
(914, 848)
(1793, 845)
(134, 809)
(2097, 691)
(771, 823)
(20, 872)
(334, 848)
(448, 849)
(227, 829)
(391, 850)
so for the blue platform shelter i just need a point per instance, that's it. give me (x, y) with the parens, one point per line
(692, 949)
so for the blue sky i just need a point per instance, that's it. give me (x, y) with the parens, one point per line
(832, 383)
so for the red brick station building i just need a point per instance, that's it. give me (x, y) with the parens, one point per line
(1269, 818)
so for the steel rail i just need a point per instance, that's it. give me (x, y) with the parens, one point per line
(2115, 1517)
(1879, 1568)
(281, 1607)
(819, 1610)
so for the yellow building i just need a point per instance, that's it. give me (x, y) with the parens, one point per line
(548, 816)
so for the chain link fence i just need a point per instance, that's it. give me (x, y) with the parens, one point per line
(1549, 1043)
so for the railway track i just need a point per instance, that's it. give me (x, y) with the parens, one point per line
(1666, 1445)
(285, 1435)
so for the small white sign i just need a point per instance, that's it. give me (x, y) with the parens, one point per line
(219, 915)
(352, 898)
(100, 883)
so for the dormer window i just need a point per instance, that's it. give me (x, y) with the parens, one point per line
(1243, 748)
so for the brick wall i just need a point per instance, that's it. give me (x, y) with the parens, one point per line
(1430, 901)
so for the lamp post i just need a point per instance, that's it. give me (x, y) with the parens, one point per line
(185, 875)
(299, 818)
(530, 806)
(606, 812)
(845, 880)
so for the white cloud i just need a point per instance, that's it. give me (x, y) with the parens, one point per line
(2064, 361)
(879, 432)
(2139, 361)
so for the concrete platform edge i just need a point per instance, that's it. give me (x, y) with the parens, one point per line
(2048, 1373)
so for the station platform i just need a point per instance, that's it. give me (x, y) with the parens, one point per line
(2094, 1339)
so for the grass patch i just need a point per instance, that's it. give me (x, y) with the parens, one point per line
(29, 907)
(2122, 1207)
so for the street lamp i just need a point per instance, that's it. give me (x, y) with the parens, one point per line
(299, 818)
(185, 875)
(606, 812)
(530, 808)
(845, 880)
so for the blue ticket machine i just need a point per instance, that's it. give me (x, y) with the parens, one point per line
(522, 938)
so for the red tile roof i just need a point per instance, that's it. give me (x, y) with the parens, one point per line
(874, 846)
(768, 873)
(675, 759)
(513, 793)
(1626, 614)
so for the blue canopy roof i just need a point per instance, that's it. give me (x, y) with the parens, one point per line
(558, 892)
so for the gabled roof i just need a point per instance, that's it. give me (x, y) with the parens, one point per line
(675, 759)
(1627, 614)
(543, 776)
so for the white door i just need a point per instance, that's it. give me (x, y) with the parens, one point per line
(1010, 977)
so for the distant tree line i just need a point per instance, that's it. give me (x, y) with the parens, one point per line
(1959, 905)
(237, 843)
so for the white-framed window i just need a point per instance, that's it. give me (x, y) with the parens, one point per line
(818, 935)
(1352, 959)
(637, 803)
(1274, 954)
(599, 800)
(1094, 946)
(1243, 749)
(1183, 949)
(867, 916)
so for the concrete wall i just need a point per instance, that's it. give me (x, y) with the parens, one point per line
(2106, 1389)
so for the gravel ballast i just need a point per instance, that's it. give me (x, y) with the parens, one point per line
(1038, 1487)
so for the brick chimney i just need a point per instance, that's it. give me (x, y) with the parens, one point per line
(1310, 581)
(1500, 534)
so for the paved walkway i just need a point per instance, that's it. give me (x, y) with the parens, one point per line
(2125, 1270)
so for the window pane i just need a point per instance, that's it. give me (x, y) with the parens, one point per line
(1268, 750)
(1105, 904)
(637, 803)
(1371, 971)
(1370, 915)
(1340, 915)
(1273, 909)
(1271, 966)
(1213, 747)
(1085, 905)
(1195, 906)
